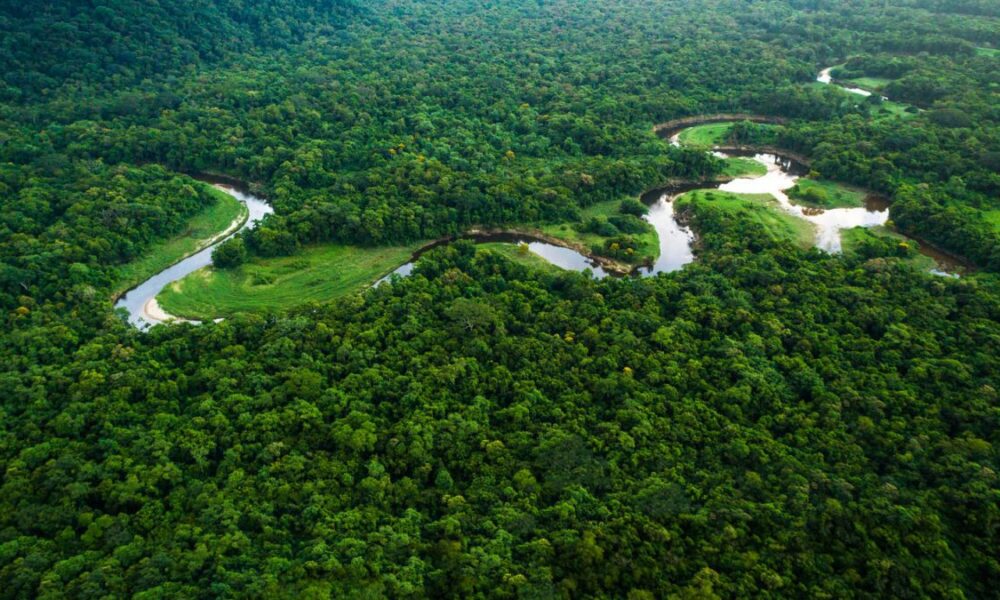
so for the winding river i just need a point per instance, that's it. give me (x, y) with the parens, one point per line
(825, 77)
(140, 301)
(675, 239)
(560, 256)
(781, 175)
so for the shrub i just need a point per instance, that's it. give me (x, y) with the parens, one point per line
(229, 254)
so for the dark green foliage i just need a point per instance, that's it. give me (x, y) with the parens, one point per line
(52, 46)
(408, 442)
(632, 207)
(619, 246)
(767, 422)
(600, 225)
(884, 246)
(628, 223)
(64, 225)
(229, 254)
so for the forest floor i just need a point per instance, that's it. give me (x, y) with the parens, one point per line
(993, 218)
(328, 271)
(705, 135)
(712, 134)
(225, 216)
(318, 273)
(888, 108)
(762, 209)
(708, 135)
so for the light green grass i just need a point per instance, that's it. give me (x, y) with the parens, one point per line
(869, 83)
(318, 273)
(888, 108)
(200, 231)
(705, 135)
(993, 218)
(823, 193)
(988, 51)
(519, 254)
(762, 209)
(647, 243)
(739, 166)
(851, 239)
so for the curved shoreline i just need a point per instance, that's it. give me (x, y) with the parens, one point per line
(232, 228)
(154, 313)
(668, 128)
(966, 265)
(826, 77)
(794, 157)
(609, 264)
(140, 301)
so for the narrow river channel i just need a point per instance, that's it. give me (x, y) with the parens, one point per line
(675, 239)
(140, 302)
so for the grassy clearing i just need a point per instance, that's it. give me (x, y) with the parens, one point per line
(890, 109)
(711, 134)
(318, 273)
(762, 209)
(647, 242)
(993, 218)
(988, 51)
(869, 83)
(705, 135)
(200, 232)
(885, 109)
(856, 237)
(739, 166)
(517, 254)
(822, 193)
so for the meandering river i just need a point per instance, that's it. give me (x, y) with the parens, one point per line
(828, 222)
(560, 256)
(140, 302)
(675, 239)
(825, 77)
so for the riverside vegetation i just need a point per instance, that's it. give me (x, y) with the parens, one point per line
(771, 420)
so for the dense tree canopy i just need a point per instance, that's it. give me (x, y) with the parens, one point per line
(767, 422)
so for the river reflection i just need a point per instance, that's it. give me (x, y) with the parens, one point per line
(675, 239)
(829, 222)
(564, 258)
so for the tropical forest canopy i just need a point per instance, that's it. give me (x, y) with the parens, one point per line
(767, 422)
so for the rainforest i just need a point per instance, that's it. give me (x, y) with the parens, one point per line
(681, 299)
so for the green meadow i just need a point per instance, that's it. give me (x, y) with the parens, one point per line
(759, 209)
(317, 273)
(201, 231)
